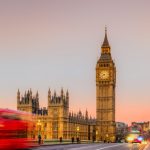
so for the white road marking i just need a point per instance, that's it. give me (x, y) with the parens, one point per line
(146, 146)
(84, 147)
(110, 146)
(92, 146)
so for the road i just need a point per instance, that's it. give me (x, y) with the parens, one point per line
(109, 146)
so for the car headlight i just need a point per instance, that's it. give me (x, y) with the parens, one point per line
(144, 142)
(129, 138)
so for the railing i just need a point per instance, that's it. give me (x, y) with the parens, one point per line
(64, 141)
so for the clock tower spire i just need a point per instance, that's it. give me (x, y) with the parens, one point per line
(105, 43)
(105, 94)
(105, 48)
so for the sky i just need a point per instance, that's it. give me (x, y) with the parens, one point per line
(56, 43)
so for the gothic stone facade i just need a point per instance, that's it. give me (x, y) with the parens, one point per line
(105, 94)
(56, 121)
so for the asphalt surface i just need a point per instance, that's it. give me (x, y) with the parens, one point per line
(109, 146)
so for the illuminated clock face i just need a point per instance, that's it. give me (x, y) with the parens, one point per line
(104, 74)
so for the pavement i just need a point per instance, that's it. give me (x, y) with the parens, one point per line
(96, 146)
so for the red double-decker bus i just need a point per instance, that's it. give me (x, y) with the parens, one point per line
(15, 127)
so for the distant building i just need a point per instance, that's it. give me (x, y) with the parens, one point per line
(121, 130)
(144, 126)
(56, 121)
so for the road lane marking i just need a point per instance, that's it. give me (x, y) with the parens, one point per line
(84, 147)
(146, 146)
(57, 147)
(92, 146)
(110, 146)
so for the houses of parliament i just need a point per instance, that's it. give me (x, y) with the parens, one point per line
(56, 121)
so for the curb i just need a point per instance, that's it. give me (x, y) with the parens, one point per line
(65, 144)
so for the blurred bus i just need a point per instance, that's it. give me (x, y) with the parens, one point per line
(15, 128)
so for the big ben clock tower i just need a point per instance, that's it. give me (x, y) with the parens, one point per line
(105, 94)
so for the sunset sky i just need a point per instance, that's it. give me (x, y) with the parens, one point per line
(56, 43)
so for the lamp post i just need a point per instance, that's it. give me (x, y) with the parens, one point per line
(107, 137)
(39, 126)
(78, 129)
(39, 133)
(96, 135)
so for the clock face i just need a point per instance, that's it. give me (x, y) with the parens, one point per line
(104, 74)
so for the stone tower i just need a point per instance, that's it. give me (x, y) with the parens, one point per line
(105, 94)
(28, 102)
(58, 112)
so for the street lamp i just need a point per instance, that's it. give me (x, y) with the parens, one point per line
(107, 137)
(96, 135)
(39, 133)
(39, 126)
(78, 129)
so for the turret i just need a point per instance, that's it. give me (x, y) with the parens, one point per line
(28, 102)
(49, 96)
(18, 96)
(80, 113)
(37, 100)
(86, 115)
(62, 93)
(30, 96)
(67, 98)
(30, 92)
(25, 95)
(54, 94)
(37, 95)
